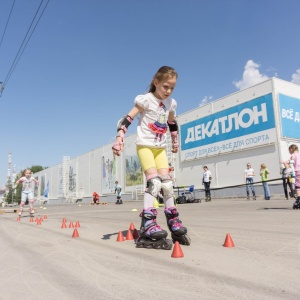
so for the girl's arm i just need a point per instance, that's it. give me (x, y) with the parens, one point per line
(123, 125)
(173, 127)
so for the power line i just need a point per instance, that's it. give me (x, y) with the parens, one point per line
(8, 75)
(18, 55)
(7, 22)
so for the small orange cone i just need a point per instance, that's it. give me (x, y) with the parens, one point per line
(64, 220)
(36, 219)
(63, 225)
(71, 225)
(31, 220)
(131, 227)
(41, 219)
(135, 234)
(45, 217)
(228, 241)
(38, 222)
(120, 237)
(77, 224)
(129, 235)
(18, 219)
(177, 252)
(75, 233)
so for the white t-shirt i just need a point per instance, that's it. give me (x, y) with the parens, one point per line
(27, 184)
(152, 127)
(206, 176)
(249, 173)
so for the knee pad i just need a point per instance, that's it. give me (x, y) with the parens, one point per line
(153, 186)
(167, 186)
(31, 201)
(22, 204)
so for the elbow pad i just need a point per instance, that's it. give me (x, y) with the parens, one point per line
(124, 123)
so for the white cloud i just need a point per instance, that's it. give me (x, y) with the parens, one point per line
(296, 77)
(206, 100)
(251, 76)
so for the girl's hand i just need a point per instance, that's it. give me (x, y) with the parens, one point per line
(118, 145)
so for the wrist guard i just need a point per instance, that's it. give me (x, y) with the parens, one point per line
(173, 127)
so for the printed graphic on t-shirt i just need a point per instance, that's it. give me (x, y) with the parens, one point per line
(159, 127)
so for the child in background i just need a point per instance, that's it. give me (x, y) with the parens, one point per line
(27, 191)
(96, 198)
(118, 191)
(264, 178)
(287, 179)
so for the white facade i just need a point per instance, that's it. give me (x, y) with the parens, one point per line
(255, 125)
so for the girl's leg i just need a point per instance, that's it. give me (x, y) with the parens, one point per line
(31, 203)
(23, 200)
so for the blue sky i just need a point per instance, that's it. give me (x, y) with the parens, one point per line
(87, 60)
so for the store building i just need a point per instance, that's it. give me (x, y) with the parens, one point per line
(254, 125)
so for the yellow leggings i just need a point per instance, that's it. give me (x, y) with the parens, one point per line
(152, 158)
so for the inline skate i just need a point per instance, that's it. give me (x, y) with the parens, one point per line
(296, 204)
(179, 232)
(31, 212)
(152, 236)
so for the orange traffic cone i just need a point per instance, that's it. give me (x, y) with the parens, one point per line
(129, 235)
(64, 220)
(18, 219)
(75, 233)
(63, 225)
(228, 241)
(177, 252)
(71, 225)
(77, 224)
(120, 237)
(31, 220)
(38, 222)
(135, 234)
(41, 219)
(131, 227)
(45, 217)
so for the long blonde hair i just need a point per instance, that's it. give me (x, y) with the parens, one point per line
(162, 74)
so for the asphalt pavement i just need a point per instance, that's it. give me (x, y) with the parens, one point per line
(45, 262)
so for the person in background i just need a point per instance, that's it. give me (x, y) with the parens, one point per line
(96, 198)
(248, 179)
(206, 181)
(287, 174)
(295, 160)
(118, 191)
(264, 172)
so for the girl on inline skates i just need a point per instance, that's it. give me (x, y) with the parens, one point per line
(157, 113)
(27, 191)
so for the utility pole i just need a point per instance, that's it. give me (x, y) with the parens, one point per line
(9, 183)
